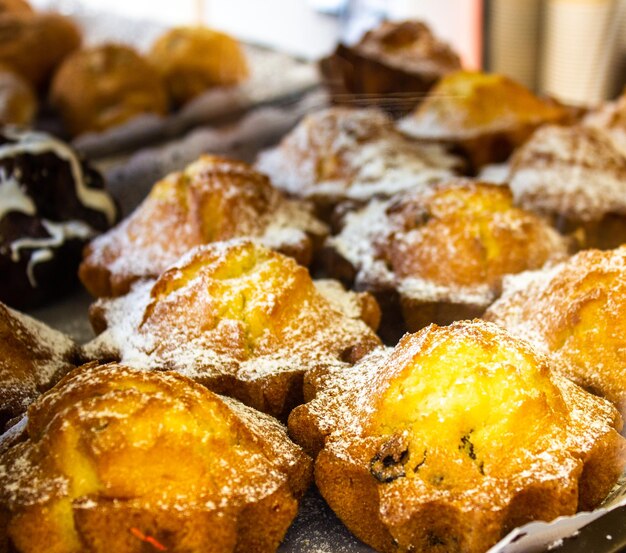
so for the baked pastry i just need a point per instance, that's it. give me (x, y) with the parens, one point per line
(33, 357)
(575, 176)
(356, 305)
(243, 320)
(128, 461)
(339, 154)
(18, 104)
(15, 6)
(103, 86)
(391, 67)
(34, 44)
(455, 437)
(576, 312)
(51, 204)
(194, 59)
(212, 199)
(442, 251)
(610, 118)
(483, 116)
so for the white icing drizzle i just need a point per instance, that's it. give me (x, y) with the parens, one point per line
(37, 143)
(12, 197)
(59, 233)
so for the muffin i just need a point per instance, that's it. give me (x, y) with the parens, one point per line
(342, 154)
(52, 204)
(104, 86)
(193, 59)
(127, 461)
(393, 66)
(213, 199)
(440, 253)
(33, 45)
(610, 118)
(577, 178)
(243, 320)
(575, 312)
(33, 357)
(483, 116)
(453, 438)
(15, 6)
(18, 103)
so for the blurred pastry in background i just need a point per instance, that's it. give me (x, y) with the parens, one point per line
(15, 6)
(392, 67)
(341, 153)
(18, 103)
(610, 118)
(34, 45)
(213, 199)
(482, 116)
(440, 252)
(104, 86)
(51, 204)
(576, 177)
(193, 59)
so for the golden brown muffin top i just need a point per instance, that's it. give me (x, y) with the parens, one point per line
(461, 421)
(213, 199)
(410, 46)
(228, 310)
(15, 6)
(150, 442)
(32, 358)
(454, 241)
(576, 312)
(466, 104)
(18, 103)
(574, 172)
(106, 85)
(344, 153)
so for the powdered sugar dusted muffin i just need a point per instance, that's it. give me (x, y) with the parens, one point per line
(122, 460)
(351, 154)
(610, 118)
(484, 116)
(51, 204)
(33, 357)
(576, 312)
(441, 252)
(453, 438)
(212, 199)
(576, 176)
(242, 319)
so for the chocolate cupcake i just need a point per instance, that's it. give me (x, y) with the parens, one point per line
(51, 204)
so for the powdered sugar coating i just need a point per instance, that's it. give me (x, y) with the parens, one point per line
(575, 312)
(574, 172)
(212, 199)
(344, 153)
(610, 118)
(423, 243)
(232, 315)
(34, 357)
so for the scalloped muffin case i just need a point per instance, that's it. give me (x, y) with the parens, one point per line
(244, 320)
(125, 461)
(453, 438)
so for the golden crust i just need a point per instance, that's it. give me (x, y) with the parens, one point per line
(32, 358)
(18, 104)
(33, 45)
(610, 118)
(484, 115)
(15, 6)
(444, 250)
(577, 177)
(120, 460)
(103, 86)
(241, 319)
(213, 199)
(341, 154)
(576, 312)
(356, 305)
(194, 59)
(455, 437)
(392, 67)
